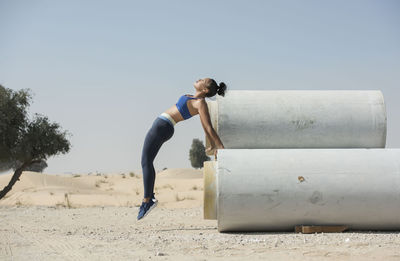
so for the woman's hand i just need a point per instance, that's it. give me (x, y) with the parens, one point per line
(210, 150)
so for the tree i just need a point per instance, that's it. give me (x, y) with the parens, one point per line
(37, 166)
(197, 154)
(25, 142)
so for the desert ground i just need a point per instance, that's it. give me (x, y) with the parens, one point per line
(93, 217)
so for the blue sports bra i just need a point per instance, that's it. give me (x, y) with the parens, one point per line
(182, 106)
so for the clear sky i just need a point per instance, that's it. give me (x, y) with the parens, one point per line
(105, 70)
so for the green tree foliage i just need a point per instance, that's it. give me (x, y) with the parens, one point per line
(37, 166)
(25, 142)
(197, 154)
(13, 120)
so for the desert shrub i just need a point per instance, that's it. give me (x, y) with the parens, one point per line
(197, 154)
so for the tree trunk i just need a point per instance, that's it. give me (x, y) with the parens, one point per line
(14, 179)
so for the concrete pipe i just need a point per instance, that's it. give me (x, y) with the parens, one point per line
(277, 189)
(299, 119)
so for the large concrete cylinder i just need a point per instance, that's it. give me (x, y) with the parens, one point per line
(299, 119)
(277, 189)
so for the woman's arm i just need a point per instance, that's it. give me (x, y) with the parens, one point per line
(206, 123)
(212, 145)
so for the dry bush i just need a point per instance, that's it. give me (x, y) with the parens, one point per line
(168, 186)
(97, 184)
(60, 204)
(177, 198)
(68, 203)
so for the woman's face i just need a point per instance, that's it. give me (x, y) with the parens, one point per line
(201, 84)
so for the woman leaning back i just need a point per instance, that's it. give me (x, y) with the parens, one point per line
(163, 129)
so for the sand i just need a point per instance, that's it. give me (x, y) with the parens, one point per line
(175, 188)
(90, 217)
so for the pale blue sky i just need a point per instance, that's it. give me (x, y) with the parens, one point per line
(106, 69)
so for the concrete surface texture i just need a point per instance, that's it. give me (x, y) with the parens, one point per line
(276, 189)
(300, 119)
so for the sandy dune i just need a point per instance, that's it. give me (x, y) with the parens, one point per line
(90, 217)
(173, 187)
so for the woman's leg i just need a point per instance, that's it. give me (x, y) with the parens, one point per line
(152, 145)
(152, 182)
(159, 133)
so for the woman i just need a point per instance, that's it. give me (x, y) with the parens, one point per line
(163, 129)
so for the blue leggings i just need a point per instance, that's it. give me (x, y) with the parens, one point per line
(161, 131)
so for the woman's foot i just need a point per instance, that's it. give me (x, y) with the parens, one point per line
(147, 205)
(145, 208)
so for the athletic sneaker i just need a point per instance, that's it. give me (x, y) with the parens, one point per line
(145, 208)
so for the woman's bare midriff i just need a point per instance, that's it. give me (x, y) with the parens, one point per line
(176, 115)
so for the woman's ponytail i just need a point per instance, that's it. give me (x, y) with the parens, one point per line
(221, 89)
(214, 89)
